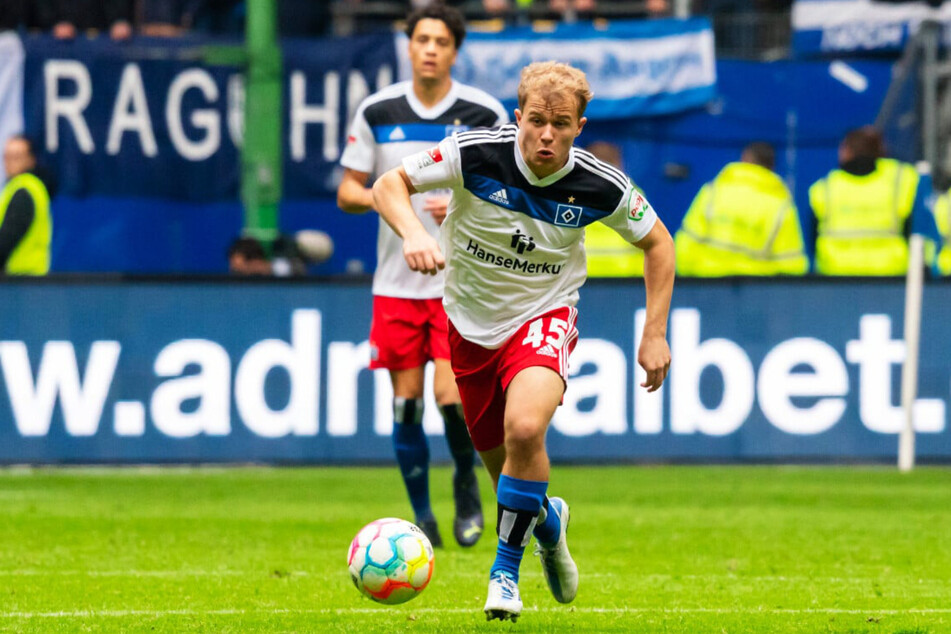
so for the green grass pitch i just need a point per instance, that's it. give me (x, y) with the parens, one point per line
(660, 549)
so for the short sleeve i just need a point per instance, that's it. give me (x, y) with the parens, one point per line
(435, 168)
(360, 151)
(634, 217)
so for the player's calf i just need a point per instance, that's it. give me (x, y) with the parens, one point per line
(468, 523)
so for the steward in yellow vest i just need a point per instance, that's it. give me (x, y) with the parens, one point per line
(25, 223)
(743, 222)
(610, 255)
(862, 210)
(607, 253)
(942, 217)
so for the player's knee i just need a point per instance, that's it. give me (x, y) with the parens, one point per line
(407, 383)
(445, 395)
(524, 432)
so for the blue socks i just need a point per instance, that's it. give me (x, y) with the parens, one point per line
(548, 527)
(519, 502)
(412, 453)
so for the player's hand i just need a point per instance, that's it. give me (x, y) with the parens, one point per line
(654, 357)
(438, 206)
(422, 253)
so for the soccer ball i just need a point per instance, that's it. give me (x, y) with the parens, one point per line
(391, 560)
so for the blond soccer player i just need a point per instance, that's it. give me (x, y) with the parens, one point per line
(512, 247)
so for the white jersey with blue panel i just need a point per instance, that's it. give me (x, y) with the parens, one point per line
(514, 243)
(390, 125)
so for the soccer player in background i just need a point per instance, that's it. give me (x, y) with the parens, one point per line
(514, 259)
(409, 323)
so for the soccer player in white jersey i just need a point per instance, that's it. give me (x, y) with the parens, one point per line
(514, 257)
(409, 323)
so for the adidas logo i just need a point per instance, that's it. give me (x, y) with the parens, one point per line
(547, 351)
(397, 134)
(501, 197)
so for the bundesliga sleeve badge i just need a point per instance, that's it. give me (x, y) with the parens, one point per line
(637, 208)
(428, 158)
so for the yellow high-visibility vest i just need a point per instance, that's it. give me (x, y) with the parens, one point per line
(942, 217)
(744, 222)
(32, 255)
(610, 255)
(861, 219)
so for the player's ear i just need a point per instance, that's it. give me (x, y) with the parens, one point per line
(581, 123)
(518, 116)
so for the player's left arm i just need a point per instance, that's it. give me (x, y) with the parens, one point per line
(659, 262)
(391, 194)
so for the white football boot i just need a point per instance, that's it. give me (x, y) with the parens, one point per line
(503, 602)
(560, 570)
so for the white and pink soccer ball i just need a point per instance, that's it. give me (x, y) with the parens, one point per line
(391, 560)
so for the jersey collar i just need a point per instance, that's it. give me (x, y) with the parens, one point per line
(431, 113)
(548, 180)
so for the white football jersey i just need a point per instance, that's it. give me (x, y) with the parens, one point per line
(390, 125)
(514, 243)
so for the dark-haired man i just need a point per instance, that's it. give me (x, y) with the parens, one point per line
(409, 326)
(246, 256)
(862, 209)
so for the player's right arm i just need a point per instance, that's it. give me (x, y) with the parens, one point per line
(439, 167)
(353, 195)
(391, 194)
(359, 160)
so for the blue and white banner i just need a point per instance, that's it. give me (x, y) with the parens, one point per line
(830, 27)
(635, 69)
(277, 372)
(152, 119)
(171, 124)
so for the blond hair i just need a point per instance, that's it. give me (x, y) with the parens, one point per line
(548, 78)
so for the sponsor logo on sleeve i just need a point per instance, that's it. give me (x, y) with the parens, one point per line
(427, 158)
(637, 208)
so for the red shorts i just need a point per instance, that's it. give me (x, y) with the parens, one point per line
(483, 375)
(406, 333)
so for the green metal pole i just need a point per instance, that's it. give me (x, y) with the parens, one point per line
(261, 168)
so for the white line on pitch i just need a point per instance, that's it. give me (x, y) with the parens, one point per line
(40, 572)
(581, 610)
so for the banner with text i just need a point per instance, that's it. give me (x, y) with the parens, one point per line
(152, 118)
(170, 122)
(636, 69)
(832, 27)
(277, 372)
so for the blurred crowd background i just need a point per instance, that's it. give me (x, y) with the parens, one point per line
(755, 28)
